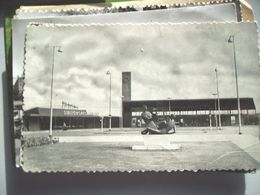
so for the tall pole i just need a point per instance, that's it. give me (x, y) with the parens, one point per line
(219, 115)
(51, 109)
(52, 72)
(215, 109)
(210, 125)
(109, 109)
(232, 40)
(169, 104)
(122, 111)
(101, 125)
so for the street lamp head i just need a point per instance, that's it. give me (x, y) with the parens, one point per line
(145, 107)
(230, 39)
(108, 73)
(60, 50)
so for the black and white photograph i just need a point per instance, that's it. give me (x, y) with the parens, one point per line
(228, 11)
(141, 97)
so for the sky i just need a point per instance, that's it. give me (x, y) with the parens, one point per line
(165, 60)
(209, 13)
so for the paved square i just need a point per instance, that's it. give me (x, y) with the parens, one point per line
(119, 156)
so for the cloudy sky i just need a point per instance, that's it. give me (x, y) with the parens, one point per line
(209, 13)
(166, 60)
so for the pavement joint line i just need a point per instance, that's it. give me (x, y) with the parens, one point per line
(242, 142)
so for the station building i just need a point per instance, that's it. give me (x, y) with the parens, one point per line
(38, 118)
(187, 112)
(193, 112)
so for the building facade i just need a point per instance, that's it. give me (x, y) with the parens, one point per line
(39, 119)
(192, 112)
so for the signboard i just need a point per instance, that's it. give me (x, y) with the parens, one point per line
(75, 112)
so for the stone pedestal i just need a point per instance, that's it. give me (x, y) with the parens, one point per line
(157, 142)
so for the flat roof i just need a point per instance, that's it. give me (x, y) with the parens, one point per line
(189, 104)
(38, 111)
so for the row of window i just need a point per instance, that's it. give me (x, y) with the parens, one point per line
(199, 112)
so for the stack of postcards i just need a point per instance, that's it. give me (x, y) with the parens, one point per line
(136, 86)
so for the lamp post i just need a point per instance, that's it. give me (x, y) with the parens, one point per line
(109, 107)
(231, 39)
(169, 104)
(102, 124)
(210, 125)
(215, 108)
(219, 116)
(54, 49)
(122, 112)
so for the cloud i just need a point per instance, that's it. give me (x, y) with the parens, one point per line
(176, 61)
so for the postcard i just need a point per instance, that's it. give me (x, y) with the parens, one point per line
(141, 97)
